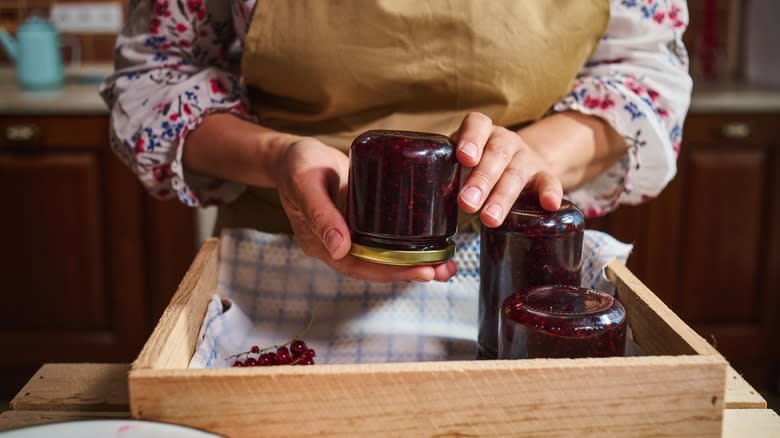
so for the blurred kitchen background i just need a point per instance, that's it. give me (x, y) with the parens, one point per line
(88, 261)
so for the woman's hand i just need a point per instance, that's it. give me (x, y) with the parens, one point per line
(312, 181)
(501, 164)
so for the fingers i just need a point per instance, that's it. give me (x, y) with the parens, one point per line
(444, 271)
(471, 137)
(314, 208)
(505, 167)
(549, 189)
(498, 153)
(504, 194)
(354, 267)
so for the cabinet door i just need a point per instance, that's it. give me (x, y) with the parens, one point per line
(64, 232)
(709, 245)
(88, 260)
(52, 267)
(728, 255)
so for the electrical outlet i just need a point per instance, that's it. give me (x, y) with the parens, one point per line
(87, 17)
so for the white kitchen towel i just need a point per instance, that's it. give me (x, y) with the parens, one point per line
(268, 290)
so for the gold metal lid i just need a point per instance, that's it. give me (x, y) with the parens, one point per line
(402, 258)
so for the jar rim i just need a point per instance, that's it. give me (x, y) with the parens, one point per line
(406, 134)
(403, 258)
(576, 293)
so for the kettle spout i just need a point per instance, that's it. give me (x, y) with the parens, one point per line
(10, 44)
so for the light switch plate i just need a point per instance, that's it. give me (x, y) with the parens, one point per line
(87, 17)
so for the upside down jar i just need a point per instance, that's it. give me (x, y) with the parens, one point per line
(401, 206)
(561, 322)
(533, 247)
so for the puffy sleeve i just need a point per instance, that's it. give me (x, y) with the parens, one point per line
(637, 80)
(172, 68)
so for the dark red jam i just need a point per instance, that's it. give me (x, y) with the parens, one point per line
(533, 247)
(402, 191)
(561, 322)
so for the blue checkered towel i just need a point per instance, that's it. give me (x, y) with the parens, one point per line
(268, 290)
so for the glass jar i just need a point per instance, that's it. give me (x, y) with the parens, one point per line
(558, 321)
(533, 247)
(402, 198)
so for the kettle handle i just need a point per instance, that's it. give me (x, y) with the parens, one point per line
(74, 45)
(9, 44)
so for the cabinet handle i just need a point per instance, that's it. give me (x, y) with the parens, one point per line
(735, 130)
(22, 132)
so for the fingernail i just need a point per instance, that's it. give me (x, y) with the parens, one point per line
(333, 239)
(471, 196)
(494, 211)
(470, 149)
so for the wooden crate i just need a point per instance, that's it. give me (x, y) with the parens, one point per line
(678, 390)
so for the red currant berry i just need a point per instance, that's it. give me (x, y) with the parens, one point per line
(255, 349)
(309, 353)
(251, 362)
(238, 363)
(297, 347)
(265, 360)
(282, 358)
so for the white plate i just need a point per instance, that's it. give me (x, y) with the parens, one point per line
(107, 428)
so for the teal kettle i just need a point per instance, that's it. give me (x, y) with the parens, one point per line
(36, 53)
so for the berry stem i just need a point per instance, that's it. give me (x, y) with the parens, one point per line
(297, 336)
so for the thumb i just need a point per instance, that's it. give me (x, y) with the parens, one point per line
(322, 216)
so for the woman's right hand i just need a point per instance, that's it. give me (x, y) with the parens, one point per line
(312, 182)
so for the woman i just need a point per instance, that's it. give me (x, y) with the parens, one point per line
(585, 97)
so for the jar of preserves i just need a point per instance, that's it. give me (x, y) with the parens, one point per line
(401, 206)
(533, 247)
(558, 321)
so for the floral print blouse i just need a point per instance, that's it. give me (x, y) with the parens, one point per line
(178, 60)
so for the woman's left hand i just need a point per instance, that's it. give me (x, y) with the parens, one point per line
(501, 164)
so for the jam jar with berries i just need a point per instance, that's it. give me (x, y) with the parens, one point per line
(401, 202)
(533, 247)
(558, 321)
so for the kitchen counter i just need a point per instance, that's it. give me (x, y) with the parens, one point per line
(78, 96)
(734, 98)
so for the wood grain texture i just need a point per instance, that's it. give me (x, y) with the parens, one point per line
(88, 256)
(640, 396)
(709, 245)
(173, 341)
(75, 387)
(739, 393)
(656, 328)
(682, 393)
(15, 419)
(749, 423)
(58, 132)
(37, 235)
(170, 249)
(730, 274)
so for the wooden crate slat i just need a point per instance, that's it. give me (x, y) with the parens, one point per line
(748, 423)
(75, 387)
(739, 393)
(678, 390)
(655, 326)
(173, 341)
(639, 396)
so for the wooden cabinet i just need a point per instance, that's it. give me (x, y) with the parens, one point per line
(88, 260)
(709, 246)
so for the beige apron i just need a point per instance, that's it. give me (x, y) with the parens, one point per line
(333, 69)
